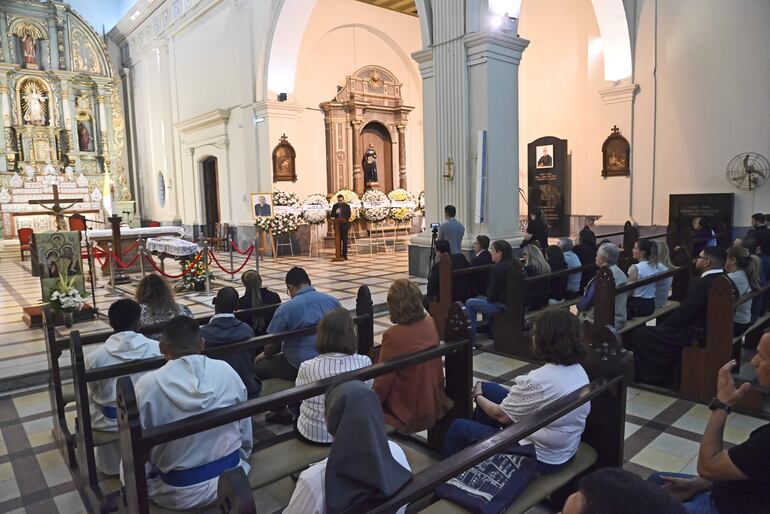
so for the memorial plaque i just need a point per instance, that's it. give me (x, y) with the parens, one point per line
(716, 208)
(548, 182)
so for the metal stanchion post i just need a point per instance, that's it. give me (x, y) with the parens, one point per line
(140, 249)
(256, 254)
(232, 266)
(206, 265)
(112, 266)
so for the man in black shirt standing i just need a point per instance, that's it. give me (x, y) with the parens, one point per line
(342, 210)
(734, 481)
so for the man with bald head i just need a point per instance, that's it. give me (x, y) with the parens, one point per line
(223, 329)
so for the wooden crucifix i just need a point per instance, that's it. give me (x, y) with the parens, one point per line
(56, 209)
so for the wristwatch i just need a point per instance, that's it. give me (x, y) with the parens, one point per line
(715, 404)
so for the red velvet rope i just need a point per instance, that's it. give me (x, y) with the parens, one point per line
(246, 261)
(122, 264)
(235, 247)
(184, 272)
(98, 254)
(130, 247)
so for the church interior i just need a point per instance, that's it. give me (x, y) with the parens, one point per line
(313, 256)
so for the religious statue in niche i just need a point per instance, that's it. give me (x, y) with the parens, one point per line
(28, 50)
(616, 155)
(84, 117)
(369, 165)
(284, 161)
(34, 103)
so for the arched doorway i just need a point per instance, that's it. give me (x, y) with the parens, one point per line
(210, 194)
(377, 135)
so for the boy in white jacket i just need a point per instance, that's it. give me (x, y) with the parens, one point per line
(184, 473)
(123, 346)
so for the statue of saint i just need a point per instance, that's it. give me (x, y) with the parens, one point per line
(29, 171)
(34, 100)
(28, 47)
(84, 137)
(369, 164)
(48, 169)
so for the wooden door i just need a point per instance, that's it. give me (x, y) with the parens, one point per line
(378, 136)
(210, 195)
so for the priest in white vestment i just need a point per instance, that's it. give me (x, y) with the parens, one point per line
(184, 473)
(123, 346)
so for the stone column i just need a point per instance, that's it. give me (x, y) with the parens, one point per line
(358, 174)
(53, 44)
(401, 157)
(5, 115)
(4, 46)
(102, 147)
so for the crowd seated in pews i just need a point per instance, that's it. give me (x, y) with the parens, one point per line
(607, 255)
(362, 462)
(412, 398)
(558, 342)
(337, 346)
(657, 350)
(462, 288)
(494, 303)
(305, 308)
(224, 328)
(734, 480)
(125, 345)
(156, 298)
(184, 473)
(534, 266)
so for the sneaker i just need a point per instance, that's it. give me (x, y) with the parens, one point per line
(281, 417)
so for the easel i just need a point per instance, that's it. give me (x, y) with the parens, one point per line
(316, 239)
(379, 240)
(397, 232)
(262, 243)
(277, 245)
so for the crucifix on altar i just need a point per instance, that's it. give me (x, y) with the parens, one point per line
(56, 208)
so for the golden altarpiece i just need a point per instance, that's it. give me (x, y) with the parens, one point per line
(62, 120)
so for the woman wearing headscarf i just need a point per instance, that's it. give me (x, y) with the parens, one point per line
(362, 464)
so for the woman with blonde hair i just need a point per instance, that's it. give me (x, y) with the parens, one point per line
(257, 296)
(156, 298)
(413, 397)
(663, 263)
(536, 265)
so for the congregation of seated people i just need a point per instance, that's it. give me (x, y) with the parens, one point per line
(184, 472)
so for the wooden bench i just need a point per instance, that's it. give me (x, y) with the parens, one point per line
(84, 439)
(136, 442)
(601, 446)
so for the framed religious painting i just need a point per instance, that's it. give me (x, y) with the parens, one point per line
(284, 161)
(616, 155)
(59, 257)
(262, 205)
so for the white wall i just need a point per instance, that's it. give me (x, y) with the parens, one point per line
(333, 47)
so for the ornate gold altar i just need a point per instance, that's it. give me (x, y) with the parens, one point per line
(60, 105)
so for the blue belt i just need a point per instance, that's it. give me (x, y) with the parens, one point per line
(202, 473)
(109, 412)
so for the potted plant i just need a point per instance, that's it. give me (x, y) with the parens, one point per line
(66, 299)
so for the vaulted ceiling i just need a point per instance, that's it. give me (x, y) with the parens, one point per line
(402, 6)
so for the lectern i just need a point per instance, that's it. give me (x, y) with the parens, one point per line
(338, 239)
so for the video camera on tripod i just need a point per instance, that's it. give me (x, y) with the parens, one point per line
(434, 234)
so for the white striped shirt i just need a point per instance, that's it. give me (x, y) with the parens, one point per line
(312, 422)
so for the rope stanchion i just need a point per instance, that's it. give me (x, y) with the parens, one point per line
(235, 247)
(206, 252)
(98, 254)
(130, 247)
(174, 277)
(245, 262)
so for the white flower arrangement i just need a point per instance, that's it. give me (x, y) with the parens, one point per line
(376, 206)
(352, 199)
(315, 209)
(402, 205)
(66, 297)
(284, 198)
(284, 223)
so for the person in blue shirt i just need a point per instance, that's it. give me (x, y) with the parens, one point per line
(452, 230)
(305, 309)
(573, 261)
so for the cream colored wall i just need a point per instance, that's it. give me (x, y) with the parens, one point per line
(711, 96)
(333, 47)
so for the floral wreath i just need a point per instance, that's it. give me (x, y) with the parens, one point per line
(284, 222)
(314, 209)
(403, 213)
(375, 214)
(284, 198)
(352, 199)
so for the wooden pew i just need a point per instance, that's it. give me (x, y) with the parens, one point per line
(439, 308)
(702, 360)
(61, 394)
(601, 446)
(606, 291)
(78, 447)
(136, 442)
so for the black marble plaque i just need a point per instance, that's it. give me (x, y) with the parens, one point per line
(548, 182)
(717, 208)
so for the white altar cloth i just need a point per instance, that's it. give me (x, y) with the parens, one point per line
(171, 246)
(133, 233)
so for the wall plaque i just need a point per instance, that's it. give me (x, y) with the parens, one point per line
(548, 182)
